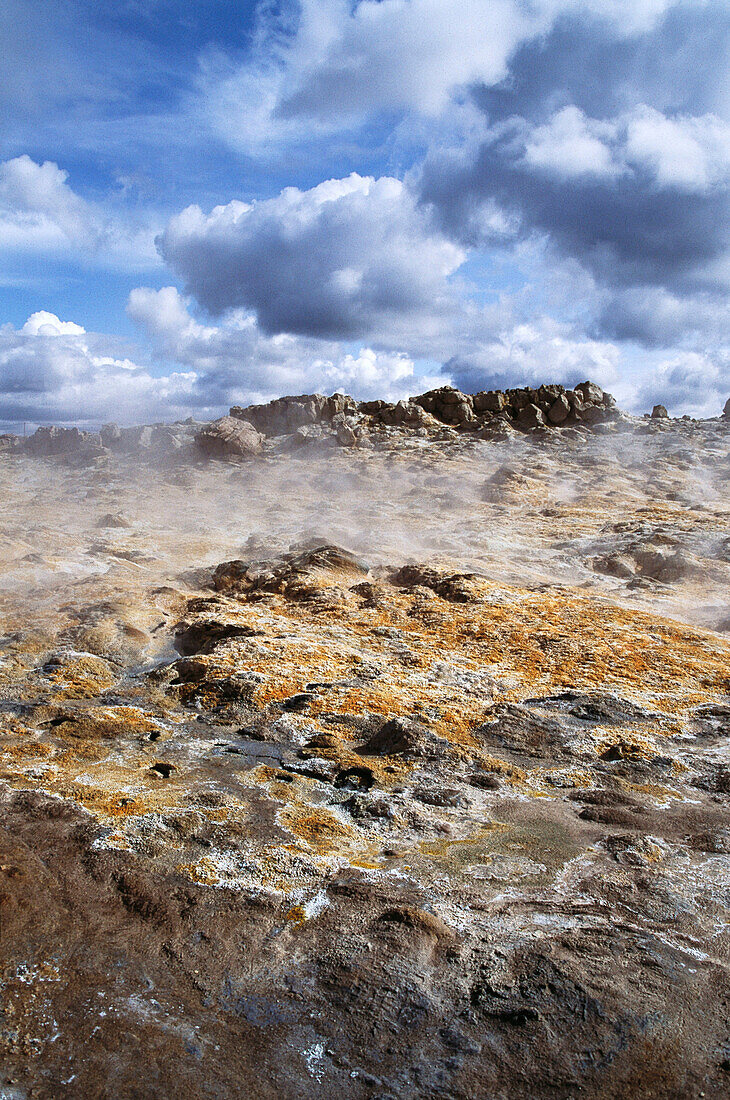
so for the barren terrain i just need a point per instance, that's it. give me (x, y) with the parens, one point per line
(385, 763)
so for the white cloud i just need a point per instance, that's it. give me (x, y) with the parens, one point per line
(654, 316)
(572, 145)
(44, 323)
(343, 63)
(687, 382)
(41, 213)
(533, 353)
(52, 371)
(684, 153)
(681, 153)
(238, 364)
(319, 66)
(39, 210)
(342, 260)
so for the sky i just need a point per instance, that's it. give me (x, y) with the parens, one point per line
(222, 202)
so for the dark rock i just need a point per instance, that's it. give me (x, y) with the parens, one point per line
(598, 707)
(404, 736)
(287, 414)
(456, 587)
(590, 393)
(484, 780)
(490, 401)
(559, 410)
(659, 412)
(666, 568)
(52, 441)
(203, 635)
(441, 796)
(614, 565)
(531, 416)
(113, 519)
(110, 434)
(518, 729)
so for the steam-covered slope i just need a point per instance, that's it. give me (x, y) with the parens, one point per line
(385, 766)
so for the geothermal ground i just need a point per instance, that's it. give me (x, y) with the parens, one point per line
(392, 761)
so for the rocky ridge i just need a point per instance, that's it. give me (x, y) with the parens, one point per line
(441, 415)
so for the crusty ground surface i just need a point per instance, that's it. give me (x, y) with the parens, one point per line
(426, 794)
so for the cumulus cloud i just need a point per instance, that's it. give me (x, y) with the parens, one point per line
(684, 153)
(44, 323)
(572, 145)
(530, 353)
(323, 65)
(342, 260)
(40, 213)
(655, 317)
(236, 363)
(639, 199)
(52, 371)
(688, 383)
(38, 209)
(328, 65)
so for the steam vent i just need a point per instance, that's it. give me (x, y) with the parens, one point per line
(367, 751)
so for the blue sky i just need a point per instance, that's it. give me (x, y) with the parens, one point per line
(217, 203)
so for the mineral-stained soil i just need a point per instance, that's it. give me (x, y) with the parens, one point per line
(384, 771)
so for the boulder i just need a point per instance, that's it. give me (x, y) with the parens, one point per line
(110, 435)
(406, 737)
(559, 410)
(346, 436)
(614, 565)
(113, 519)
(287, 414)
(490, 401)
(229, 438)
(530, 416)
(447, 404)
(726, 410)
(659, 412)
(663, 567)
(520, 397)
(548, 395)
(135, 439)
(50, 441)
(590, 393)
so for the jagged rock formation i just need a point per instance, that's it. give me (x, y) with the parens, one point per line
(401, 771)
(351, 421)
(442, 415)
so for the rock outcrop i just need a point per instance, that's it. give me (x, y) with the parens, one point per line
(350, 421)
(314, 421)
(229, 437)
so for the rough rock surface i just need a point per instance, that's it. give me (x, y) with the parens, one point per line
(229, 438)
(399, 771)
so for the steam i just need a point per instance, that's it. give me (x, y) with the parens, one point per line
(522, 512)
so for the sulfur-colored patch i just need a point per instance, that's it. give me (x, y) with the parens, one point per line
(437, 667)
(321, 830)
